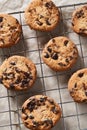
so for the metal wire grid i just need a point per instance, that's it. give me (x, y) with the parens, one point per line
(74, 116)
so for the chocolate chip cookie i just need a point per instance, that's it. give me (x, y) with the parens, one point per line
(40, 112)
(17, 73)
(77, 85)
(60, 53)
(10, 30)
(42, 15)
(79, 20)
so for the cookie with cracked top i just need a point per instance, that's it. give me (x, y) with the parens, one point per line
(77, 86)
(42, 15)
(40, 112)
(10, 30)
(79, 20)
(17, 73)
(60, 53)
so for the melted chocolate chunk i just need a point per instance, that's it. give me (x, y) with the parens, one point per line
(26, 117)
(75, 85)
(54, 110)
(1, 19)
(66, 42)
(80, 14)
(80, 75)
(12, 63)
(49, 49)
(84, 86)
(42, 99)
(39, 23)
(86, 93)
(23, 110)
(49, 5)
(31, 117)
(35, 123)
(48, 122)
(47, 22)
(51, 101)
(61, 64)
(55, 56)
(18, 80)
(2, 40)
(72, 24)
(53, 40)
(24, 82)
(31, 105)
(46, 55)
(67, 60)
(17, 21)
(71, 58)
(41, 16)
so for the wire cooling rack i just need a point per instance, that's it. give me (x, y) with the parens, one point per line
(50, 83)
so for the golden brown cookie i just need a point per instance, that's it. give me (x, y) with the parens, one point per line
(60, 53)
(79, 20)
(17, 73)
(40, 112)
(77, 85)
(42, 15)
(10, 30)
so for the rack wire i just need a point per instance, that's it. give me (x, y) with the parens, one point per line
(50, 83)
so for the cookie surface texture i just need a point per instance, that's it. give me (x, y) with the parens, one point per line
(10, 30)
(42, 15)
(60, 53)
(79, 20)
(40, 112)
(77, 85)
(17, 73)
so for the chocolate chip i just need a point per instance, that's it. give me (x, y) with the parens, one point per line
(49, 49)
(80, 14)
(46, 55)
(12, 63)
(61, 64)
(35, 123)
(48, 122)
(51, 101)
(42, 99)
(24, 82)
(75, 85)
(72, 24)
(66, 42)
(84, 86)
(54, 110)
(86, 93)
(23, 110)
(1, 19)
(10, 75)
(80, 75)
(55, 56)
(49, 5)
(31, 105)
(70, 57)
(2, 40)
(18, 80)
(67, 60)
(53, 40)
(31, 116)
(47, 22)
(17, 21)
(39, 23)
(26, 117)
(41, 16)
